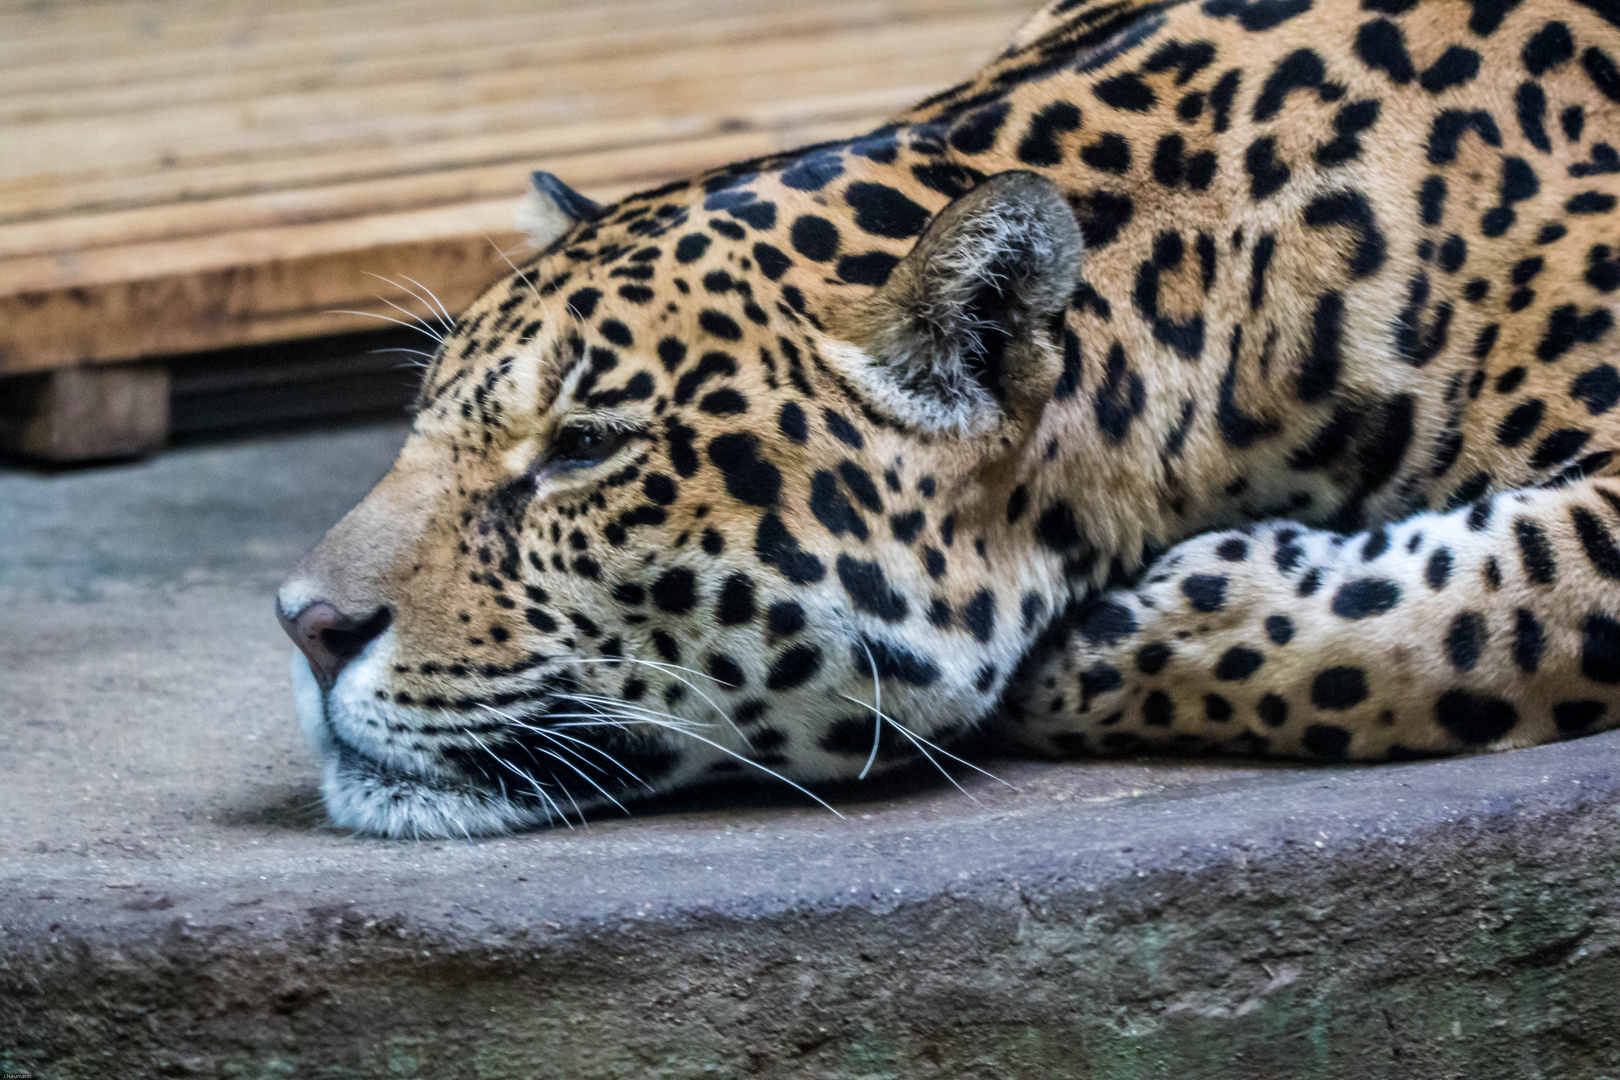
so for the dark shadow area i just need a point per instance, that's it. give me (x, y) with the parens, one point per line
(301, 811)
(231, 395)
(297, 811)
(752, 790)
(296, 386)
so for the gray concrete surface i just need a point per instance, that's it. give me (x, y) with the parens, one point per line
(171, 903)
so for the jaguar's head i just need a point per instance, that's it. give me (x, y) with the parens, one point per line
(679, 502)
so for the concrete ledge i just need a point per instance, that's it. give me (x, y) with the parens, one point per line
(170, 904)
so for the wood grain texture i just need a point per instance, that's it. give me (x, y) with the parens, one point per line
(182, 175)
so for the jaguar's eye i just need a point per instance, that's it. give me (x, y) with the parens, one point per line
(579, 445)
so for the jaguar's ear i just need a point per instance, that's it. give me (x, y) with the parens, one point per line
(551, 209)
(960, 339)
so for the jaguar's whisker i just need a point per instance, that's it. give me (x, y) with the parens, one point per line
(422, 364)
(934, 745)
(426, 326)
(877, 712)
(942, 770)
(384, 318)
(449, 327)
(630, 711)
(573, 801)
(553, 754)
(534, 783)
(564, 786)
(729, 753)
(616, 703)
(615, 762)
(448, 318)
(532, 288)
(670, 668)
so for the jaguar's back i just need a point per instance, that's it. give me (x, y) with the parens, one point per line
(1344, 221)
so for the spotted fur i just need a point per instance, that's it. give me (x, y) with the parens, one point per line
(1206, 374)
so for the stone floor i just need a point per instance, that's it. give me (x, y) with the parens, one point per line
(172, 903)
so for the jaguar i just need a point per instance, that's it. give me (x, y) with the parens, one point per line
(1201, 376)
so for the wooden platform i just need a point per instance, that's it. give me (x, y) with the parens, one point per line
(181, 175)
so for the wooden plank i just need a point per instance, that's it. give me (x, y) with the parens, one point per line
(281, 281)
(650, 163)
(57, 198)
(419, 110)
(392, 26)
(447, 80)
(80, 30)
(190, 295)
(222, 233)
(182, 175)
(546, 35)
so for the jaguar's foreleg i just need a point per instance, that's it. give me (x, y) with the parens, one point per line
(1492, 626)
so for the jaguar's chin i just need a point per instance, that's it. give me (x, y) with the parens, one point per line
(376, 798)
(379, 800)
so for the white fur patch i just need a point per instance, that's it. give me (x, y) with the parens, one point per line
(539, 219)
(957, 409)
(380, 803)
(311, 709)
(377, 800)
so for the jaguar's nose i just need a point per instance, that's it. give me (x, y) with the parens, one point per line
(330, 638)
